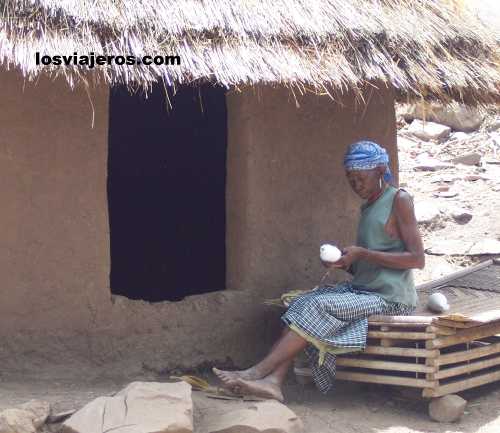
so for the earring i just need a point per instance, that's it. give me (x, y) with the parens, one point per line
(380, 182)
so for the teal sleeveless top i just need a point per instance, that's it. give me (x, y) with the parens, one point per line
(393, 285)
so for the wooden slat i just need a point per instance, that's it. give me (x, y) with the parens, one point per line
(463, 336)
(440, 330)
(461, 385)
(384, 365)
(401, 351)
(372, 325)
(454, 324)
(401, 335)
(390, 320)
(467, 355)
(462, 369)
(385, 379)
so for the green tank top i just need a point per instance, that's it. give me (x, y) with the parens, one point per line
(393, 285)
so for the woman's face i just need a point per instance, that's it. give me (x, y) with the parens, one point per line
(364, 182)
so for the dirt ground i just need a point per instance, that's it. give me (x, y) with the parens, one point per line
(351, 408)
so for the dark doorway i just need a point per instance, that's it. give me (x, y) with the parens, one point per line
(166, 192)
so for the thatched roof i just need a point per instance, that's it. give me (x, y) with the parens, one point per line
(424, 48)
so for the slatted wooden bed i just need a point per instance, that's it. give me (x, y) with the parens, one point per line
(439, 354)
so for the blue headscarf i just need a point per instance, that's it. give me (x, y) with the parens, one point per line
(366, 155)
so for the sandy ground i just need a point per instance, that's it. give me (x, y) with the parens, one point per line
(350, 408)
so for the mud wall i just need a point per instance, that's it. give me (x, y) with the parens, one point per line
(285, 194)
(286, 189)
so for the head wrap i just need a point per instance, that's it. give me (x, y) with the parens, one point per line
(366, 155)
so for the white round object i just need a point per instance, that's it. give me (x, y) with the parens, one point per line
(438, 303)
(329, 253)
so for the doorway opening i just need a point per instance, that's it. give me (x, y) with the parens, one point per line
(166, 192)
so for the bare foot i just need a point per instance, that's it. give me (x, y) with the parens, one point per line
(259, 388)
(230, 376)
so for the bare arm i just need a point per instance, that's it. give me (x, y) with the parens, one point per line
(406, 221)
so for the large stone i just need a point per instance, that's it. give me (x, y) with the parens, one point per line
(17, 421)
(262, 417)
(467, 159)
(447, 409)
(142, 407)
(458, 117)
(429, 130)
(426, 212)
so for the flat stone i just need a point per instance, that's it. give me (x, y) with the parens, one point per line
(429, 130)
(473, 177)
(141, 407)
(467, 159)
(445, 194)
(262, 417)
(447, 409)
(426, 212)
(17, 421)
(485, 246)
(427, 163)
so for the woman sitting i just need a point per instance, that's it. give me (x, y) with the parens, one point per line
(333, 319)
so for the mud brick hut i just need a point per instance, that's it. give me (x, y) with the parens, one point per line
(136, 233)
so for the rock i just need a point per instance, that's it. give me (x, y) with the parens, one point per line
(429, 130)
(460, 215)
(456, 116)
(142, 407)
(485, 246)
(443, 188)
(445, 194)
(17, 421)
(426, 212)
(267, 416)
(447, 409)
(468, 159)
(473, 177)
(40, 410)
(450, 247)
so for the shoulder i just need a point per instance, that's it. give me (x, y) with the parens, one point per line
(403, 203)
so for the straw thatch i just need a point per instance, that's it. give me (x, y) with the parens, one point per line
(424, 48)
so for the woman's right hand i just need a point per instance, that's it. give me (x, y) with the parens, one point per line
(337, 264)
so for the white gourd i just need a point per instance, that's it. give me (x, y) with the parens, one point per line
(329, 253)
(438, 303)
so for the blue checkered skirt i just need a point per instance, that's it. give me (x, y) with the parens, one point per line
(338, 316)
